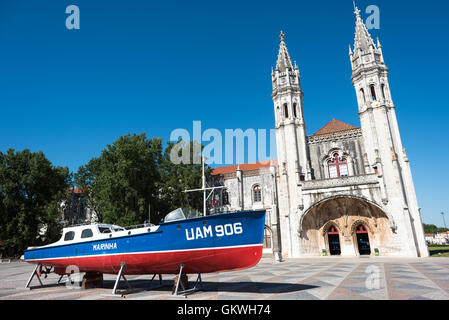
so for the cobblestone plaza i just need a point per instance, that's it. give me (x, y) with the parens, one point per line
(325, 278)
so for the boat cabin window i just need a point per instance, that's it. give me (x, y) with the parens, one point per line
(104, 229)
(181, 214)
(87, 233)
(69, 236)
(175, 215)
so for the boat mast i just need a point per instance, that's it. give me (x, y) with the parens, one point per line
(204, 187)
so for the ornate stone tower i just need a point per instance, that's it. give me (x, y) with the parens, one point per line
(291, 142)
(384, 152)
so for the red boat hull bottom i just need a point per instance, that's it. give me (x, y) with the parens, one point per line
(195, 261)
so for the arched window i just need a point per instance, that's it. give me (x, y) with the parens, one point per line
(286, 111)
(362, 95)
(383, 90)
(225, 198)
(338, 166)
(294, 110)
(257, 193)
(373, 93)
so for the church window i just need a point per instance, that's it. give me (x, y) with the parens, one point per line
(294, 110)
(225, 198)
(286, 110)
(338, 167)
(383, 90)
(373, 93)
(362, 94)
(257, 193)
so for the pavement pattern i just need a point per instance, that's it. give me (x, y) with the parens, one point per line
(324, 278)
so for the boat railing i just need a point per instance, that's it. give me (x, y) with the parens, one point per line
(137, 226)
(78, 224)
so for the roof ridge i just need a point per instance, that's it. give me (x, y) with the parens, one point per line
(244, 166)
(335, 126)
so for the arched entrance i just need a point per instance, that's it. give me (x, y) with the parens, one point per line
(362, 237)
(346, 214)
(334, 241)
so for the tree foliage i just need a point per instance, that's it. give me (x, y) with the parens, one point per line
(31, 189)
(431, 228)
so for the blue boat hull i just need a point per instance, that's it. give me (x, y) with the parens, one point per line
(205, 244)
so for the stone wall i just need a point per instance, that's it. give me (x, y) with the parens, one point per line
(349, 143)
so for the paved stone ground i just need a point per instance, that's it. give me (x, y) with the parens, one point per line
(327, 278)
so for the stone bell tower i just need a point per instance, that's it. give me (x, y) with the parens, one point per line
(291, 142)
(384, 152)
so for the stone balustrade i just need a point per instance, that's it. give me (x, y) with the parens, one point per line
(340, 182)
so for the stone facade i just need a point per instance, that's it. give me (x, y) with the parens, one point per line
(343, 190)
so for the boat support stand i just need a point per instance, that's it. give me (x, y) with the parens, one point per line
(160, 281)
(46, 272)
(119, 276)
(35, 273)
(184, 292)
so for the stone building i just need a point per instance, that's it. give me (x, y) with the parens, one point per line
(344, 190)
(75, 209)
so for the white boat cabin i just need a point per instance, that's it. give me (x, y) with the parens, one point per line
(100, 231)
(92, 232)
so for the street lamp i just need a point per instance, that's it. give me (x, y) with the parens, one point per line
(444, 221)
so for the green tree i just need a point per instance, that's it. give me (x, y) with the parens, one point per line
(133, 174)
(31, 189)
(430, 228)
(120, 184)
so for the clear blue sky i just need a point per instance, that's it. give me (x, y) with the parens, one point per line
(147, 66)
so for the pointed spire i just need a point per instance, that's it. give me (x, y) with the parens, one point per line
(362, 38)
(357, 12)
(378, 43)
(283, 61)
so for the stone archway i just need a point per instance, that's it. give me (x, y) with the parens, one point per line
(333, 240)
(267, 240)
(345, 213)
(362, 239)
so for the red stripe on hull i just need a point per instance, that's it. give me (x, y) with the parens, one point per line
(195, 261)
